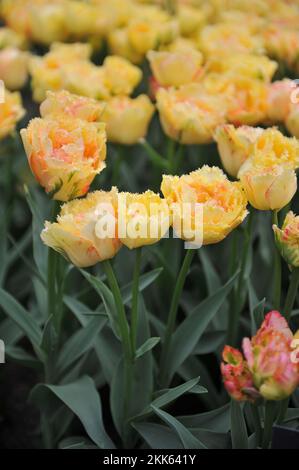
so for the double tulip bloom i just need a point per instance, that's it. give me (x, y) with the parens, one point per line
(287, 239)
(267, 369)
(94, 229)
(189, 114)
(65, 151)
(223, 203)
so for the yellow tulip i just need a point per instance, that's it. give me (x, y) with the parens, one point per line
(77, 235)
(235, 145)
(292, 122)
(10, 38)
(279, 100)
(143, 219)
(287, 239)
(150, 28)
(176, 68)
(65, 154)
(51, 71)
(11, 111)
(245, 64)
(273, 148)
(121, 76)
(225, 38)
(63, 102)
(190, 19)
(189, 114)
(119, 44)
(223, 202)
(127, 119)
(13, 67)
(268, 187)
(80, 19)
(47, 22)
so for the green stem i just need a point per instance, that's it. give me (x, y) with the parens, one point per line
(173, 314)
(270, 410)
(277, 271)
(154, 156)
(52, 276)
(257, 424)
(170, 155)
(126, 345)
(283, 407)
(237, 306)
(292, 293)
(135, 293)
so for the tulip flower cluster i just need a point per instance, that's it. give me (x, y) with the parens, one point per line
(268, 370)
(77, 234)
(265, 162)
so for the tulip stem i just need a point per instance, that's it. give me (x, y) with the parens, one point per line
(277, 270)
(52, 276)
(173, 314)
(292, 293)
(237, 305)
(257, 423)
(270, 411)
(135, 293)
(126, 342)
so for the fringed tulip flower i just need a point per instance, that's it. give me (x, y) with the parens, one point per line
(235, 145)
(247, 65)
(189, 115)
(144, 218)
(122, 77)
(287, 239)
(75, 106)
(65, 154)
(11, 111)
(127, 119)
(268, 355)
(78, 233)
(176, 68)
(223, 202)
(268, 370)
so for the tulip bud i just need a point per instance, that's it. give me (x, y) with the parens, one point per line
(268, 188)
(287, 239)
